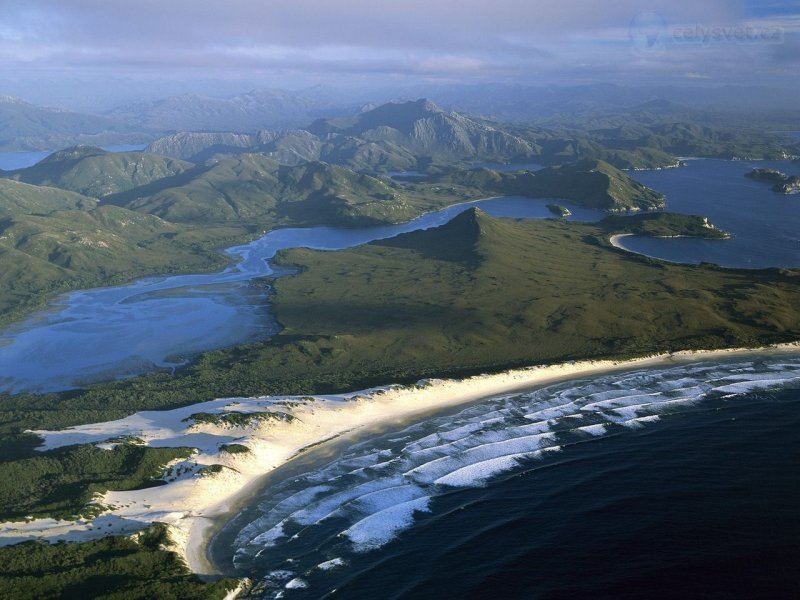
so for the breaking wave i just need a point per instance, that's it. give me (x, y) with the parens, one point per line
(377, 488)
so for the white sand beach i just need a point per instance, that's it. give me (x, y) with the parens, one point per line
(274, 429)
(614, 240)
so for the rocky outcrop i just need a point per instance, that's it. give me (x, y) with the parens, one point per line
(186, 145)
(782, 183)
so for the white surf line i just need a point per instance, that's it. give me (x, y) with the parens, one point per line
(615, 241)
(194, 499)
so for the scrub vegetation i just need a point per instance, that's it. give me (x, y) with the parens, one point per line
(113, 568)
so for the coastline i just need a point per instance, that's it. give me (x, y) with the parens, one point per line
(198, 498)
(614, 241)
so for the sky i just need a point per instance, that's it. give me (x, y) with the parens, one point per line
(84, 51)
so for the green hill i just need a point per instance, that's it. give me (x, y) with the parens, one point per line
(251, 188)
(394, 136)
(97, 173)
(590, 183)
(21, 198)
(53, 240)
(483, 293)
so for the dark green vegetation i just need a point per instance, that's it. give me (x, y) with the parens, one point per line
(767, 175)
(513, 293)
(664, 225)
(112, 568)
(94, 172)
(238, 419)
(61, 483)
(783, 183)
(589, 183)
(234, 449)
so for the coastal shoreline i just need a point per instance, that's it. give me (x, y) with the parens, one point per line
(614, 240)
(212, 486)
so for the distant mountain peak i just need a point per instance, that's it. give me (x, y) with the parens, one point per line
(458, 240)
(419, 108)
(425, 105)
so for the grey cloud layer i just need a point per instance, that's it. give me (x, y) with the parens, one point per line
(422, 37)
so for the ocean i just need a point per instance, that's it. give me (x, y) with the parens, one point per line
(765, 225)
(665, 483)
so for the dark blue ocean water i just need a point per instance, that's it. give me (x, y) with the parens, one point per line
(673, 483)
(765, 225)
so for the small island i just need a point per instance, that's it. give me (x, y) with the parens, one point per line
(782, 183)
(558, 210)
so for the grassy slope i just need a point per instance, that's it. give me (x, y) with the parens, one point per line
(21, 198)
(523, 292)
(254, 188)
(96, 173)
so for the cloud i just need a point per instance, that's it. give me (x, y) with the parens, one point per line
(422, 38)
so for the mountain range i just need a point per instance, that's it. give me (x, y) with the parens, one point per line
(394, 136)
(245, 113)
(555, 125)
(419, 135)
(25, 126)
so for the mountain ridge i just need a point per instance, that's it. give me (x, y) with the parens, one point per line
(94, 172)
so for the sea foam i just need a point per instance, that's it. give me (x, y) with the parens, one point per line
(379, 487)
